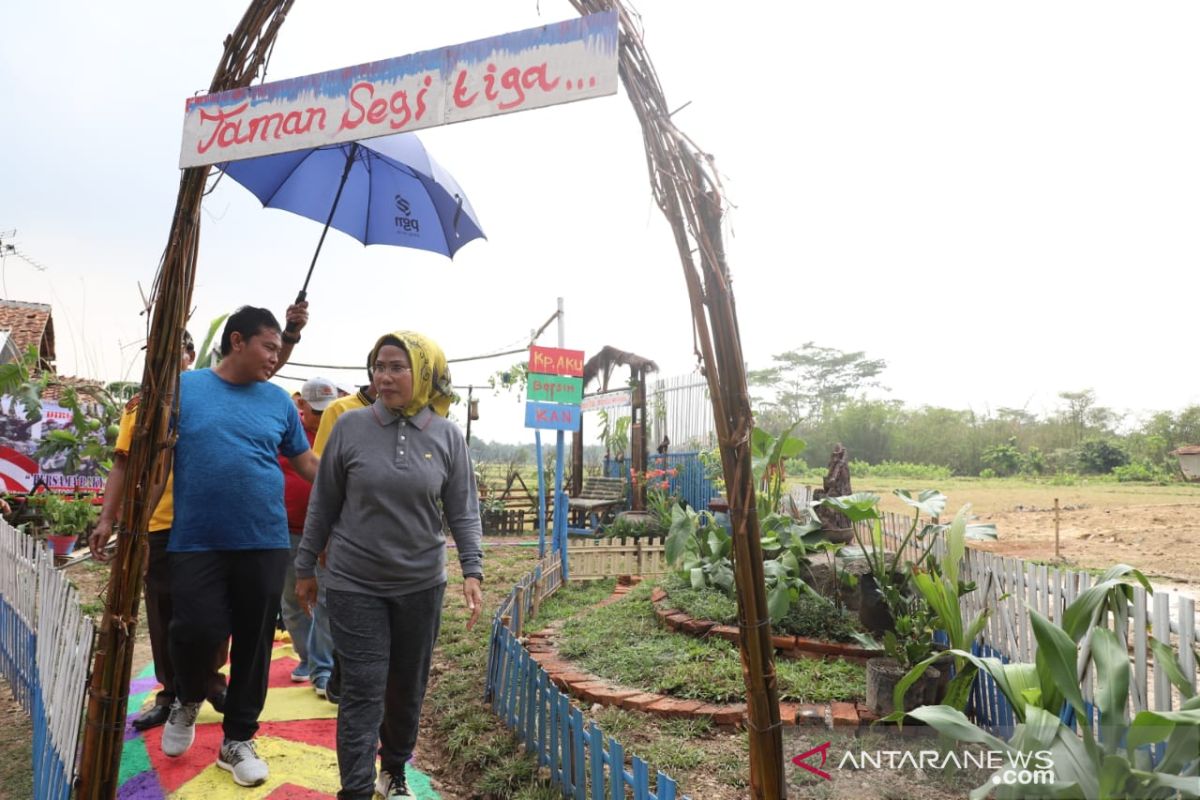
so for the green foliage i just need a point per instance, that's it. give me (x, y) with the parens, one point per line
(817, 618)
(714, 470)
(92, 435)
(209, 353)
(768, 456)
(1110, 760)
(1099, 456)
(614, 433)
(1003, 459)
(24, 383)
(624, 643)
(899, 469)
(814, 380)
(943, 592)
(1141, 471)
(702, 552)
(68, 516)
(988, 474)
(911, 638)
(703, 603)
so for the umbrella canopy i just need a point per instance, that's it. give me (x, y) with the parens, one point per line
(388, 190)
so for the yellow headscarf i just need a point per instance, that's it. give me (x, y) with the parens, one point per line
(430, 372)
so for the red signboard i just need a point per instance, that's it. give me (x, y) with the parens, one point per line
(555, 361)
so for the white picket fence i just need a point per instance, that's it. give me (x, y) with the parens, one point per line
(45, 652)
(1168, 616)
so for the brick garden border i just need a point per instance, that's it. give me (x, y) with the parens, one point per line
(593, 689)
(787, 645)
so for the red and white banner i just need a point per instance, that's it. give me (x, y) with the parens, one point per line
(558, 63)
(20, 470)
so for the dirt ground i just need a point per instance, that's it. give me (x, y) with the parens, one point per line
(1154, 528)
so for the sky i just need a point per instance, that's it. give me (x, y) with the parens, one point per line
(999, 200)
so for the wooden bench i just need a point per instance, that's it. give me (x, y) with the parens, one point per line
(597, 498)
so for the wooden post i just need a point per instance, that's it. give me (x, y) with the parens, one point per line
(577, 461)
(1057, 554)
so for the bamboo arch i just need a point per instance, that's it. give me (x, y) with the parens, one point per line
(687, 191)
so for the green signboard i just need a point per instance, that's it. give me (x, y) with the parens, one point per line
(554, 388)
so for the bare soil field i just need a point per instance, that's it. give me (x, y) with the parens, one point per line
(1154, 528)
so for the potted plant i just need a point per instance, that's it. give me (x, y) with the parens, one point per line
(69, 519)
(888, 605)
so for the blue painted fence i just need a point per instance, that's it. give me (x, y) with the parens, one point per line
(45, 652)
(582, 761)
(689, 482)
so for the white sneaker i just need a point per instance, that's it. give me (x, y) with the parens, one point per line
(241, 759)
(392, 787)
(180, 730)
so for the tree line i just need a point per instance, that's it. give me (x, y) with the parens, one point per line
(823, 390)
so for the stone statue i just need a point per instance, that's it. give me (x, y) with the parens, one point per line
(836, 484)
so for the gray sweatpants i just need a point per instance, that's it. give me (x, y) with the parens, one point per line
(384, 647)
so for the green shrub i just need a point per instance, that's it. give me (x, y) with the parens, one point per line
(1140, 471)
(1064, 479)
(819, 619)
(987, 473)
(706, 603)
(899, 469)
(1100, 456)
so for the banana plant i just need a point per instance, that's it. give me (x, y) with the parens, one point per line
(1111, 760)
(209, 355)
(768, 456)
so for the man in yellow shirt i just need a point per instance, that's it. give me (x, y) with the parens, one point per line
(158, 583)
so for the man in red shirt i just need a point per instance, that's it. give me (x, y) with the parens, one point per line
(313, 398)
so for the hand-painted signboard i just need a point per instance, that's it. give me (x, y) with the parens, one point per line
(555, 361)
(594, 402)
(554, 388)
(551, 416)
(558, 63)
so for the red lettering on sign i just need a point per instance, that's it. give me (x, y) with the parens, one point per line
(460, 91)
(509, 88)
(365, 107)
(232, 128)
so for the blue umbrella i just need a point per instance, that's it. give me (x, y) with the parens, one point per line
(387, 191)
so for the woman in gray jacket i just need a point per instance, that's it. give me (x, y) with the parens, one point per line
(387, 476)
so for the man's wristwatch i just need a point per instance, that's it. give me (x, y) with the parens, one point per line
(290, 338)
(476, 575)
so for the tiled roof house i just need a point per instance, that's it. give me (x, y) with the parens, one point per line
(24, 324)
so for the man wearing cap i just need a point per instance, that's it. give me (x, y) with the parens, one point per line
(313, 647)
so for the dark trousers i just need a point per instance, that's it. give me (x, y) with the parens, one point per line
(158, 621)
(217, 595)
(384, 647)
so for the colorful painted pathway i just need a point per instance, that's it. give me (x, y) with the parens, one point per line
(296, 738)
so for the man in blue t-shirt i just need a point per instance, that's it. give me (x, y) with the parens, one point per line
(229, 541)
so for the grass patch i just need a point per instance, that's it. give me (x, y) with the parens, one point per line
(809, 616)
(624, 643)
(570, 599)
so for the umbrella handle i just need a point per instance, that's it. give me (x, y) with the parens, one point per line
(341, 185)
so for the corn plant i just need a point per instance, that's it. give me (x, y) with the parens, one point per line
(1111, 760)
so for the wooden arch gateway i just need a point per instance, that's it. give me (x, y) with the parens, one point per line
(688, 193)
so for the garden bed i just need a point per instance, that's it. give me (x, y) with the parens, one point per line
(707, 613)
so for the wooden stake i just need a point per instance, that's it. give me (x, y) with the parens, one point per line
(1057, 554)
